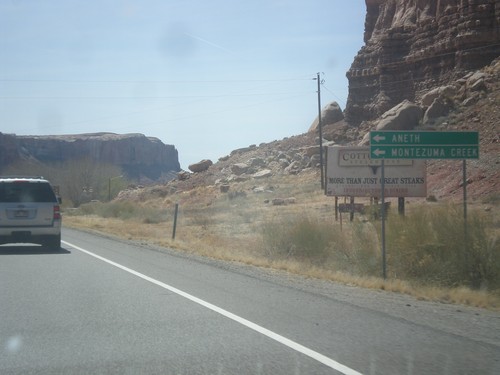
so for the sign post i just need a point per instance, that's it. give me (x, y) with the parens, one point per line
(424, 145)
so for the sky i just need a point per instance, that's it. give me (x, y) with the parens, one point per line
(205, 76)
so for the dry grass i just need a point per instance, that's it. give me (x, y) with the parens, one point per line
(231, 227)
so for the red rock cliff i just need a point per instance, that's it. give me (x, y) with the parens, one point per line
(412, 46)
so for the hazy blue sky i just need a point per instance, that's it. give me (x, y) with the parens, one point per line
(205, 76)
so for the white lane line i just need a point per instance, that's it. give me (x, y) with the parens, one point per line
(264, 331)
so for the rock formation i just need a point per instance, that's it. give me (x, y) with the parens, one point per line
(201, 166)
(330, 114)
(136, 154)
(412, 46)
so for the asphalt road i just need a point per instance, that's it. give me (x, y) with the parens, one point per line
(102, 306)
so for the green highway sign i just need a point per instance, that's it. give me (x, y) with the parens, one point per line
(423, 145)
(425, 152)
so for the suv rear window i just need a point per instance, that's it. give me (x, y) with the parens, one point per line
(26, 192)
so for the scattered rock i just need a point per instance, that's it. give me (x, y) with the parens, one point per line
(263, 174)
(257, 162)
(479, 85)
(439, 107)
(294, 168)
(239, 168)
(183, 175)
(330, 114)
(311, 150)
(278, 202)
(201, 166)
(405, 116)
(448, 91)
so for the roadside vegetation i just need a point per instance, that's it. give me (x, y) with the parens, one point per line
(429, 254)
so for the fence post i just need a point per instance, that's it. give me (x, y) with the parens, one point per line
(175, 220)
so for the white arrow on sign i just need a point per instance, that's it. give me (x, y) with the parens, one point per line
(378, 138)
(378, 152)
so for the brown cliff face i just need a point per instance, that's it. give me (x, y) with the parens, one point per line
(412, 46)
(136, 154)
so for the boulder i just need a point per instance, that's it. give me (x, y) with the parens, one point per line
(278, 202)
(439, 107)
(239, 168)
(476, 77)
(294, 168)
(330, 114)
(479, 85)
(201, 166)
(257, 162)
(443, 91)
(405, 116)
(311, 150)
(263, 174)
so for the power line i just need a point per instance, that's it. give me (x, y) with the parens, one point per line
(143, 97)
(337, 97)
(150, 81)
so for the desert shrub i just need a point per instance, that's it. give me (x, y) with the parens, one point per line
(123, 210)
(300, 238)
(493, 198)
(430, 245)
(236, 194)
(353, 249)
(200, 218)
(364, 250)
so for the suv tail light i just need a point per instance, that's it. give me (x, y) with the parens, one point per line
(57, 212)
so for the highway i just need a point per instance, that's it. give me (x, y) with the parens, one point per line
(107, 306)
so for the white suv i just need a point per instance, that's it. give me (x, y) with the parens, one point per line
(29, 212)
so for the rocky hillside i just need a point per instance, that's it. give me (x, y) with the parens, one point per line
(139, 156)
(468, 103)
(412, 46)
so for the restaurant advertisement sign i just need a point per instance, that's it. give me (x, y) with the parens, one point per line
(351, 172)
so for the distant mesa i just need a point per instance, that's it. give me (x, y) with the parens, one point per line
(137, 155)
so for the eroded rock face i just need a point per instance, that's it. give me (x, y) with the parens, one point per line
(412, 46)
(136, 154)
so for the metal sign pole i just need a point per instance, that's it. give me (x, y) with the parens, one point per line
(384, 274)
(464, 182)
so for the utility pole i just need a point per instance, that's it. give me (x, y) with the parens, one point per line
(320, 133)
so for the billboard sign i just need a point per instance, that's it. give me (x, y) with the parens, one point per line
(351, 172)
